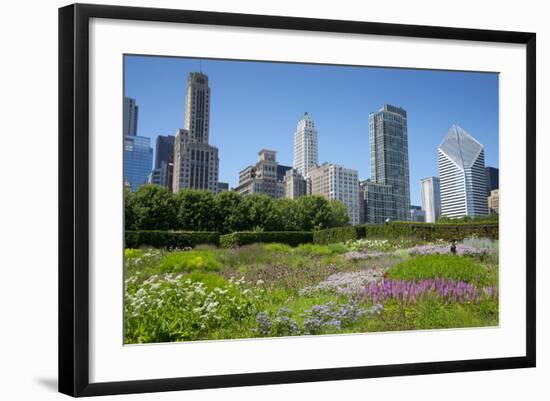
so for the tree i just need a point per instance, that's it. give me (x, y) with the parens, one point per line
(338, 214)
(151, 207)
(260, 212)
(194, 210)
(129, 212)
(286, 216)
(230, 212)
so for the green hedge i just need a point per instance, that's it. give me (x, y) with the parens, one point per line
(338, 234)
(424, 231)
(170, 239)
(292, 238)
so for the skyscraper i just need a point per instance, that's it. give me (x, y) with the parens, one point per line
(138, 160)
(389, 149)
(129, 117)
(164, 150)
(336, 182)
(491, 176)
(305, 146)
(431, 198)
(164, 161)
(197, 107)
(196, 162)
(462, 175)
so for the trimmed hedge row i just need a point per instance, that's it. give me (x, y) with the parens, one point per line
(338, 234)
(424, 231)
(292, 238)
(170, 239)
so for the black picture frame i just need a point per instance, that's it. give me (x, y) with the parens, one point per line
(74, 198)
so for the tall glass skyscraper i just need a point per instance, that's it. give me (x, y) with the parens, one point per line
(305, 146)
(130, 117)
(462, 175)
(138, 161)
(389, 151)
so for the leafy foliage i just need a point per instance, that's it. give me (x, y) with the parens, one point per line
(170, 239)
(292, 238)
(449, 267)
(151, 207)
(187, 261)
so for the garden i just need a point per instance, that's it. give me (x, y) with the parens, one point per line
(246, 289)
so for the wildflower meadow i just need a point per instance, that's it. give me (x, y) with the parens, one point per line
(271, 290)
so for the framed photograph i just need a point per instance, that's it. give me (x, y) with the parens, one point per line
(251, 199)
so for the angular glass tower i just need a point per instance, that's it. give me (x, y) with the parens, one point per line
(305, 146)
(389, 155)
(462, 175)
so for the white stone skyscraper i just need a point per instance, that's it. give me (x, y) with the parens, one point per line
(196, 162)
(305, 146)
(197, 107)
(389, 155)
(462, 175)
(431, 198)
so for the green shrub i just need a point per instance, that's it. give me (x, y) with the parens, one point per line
(321, 250)
(188, 261)
(292, 238)
(277, 247)
(338, 234)
(170, 239)
(430, 232)
(443, 266)
(131, 253)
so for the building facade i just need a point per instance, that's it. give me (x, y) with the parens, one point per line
(431, 198)
(335, 182)
(493, 201)
(417, 214)
(377, 202)
(164, 161)
(305, 146)
(223, 187)
(389, 151)
(129, 117)
(196, 162)
(295, 184)
(462, 175)
(262, 178)
(138, 161)
(491, 176)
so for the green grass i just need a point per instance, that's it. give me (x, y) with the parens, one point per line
(188, 261)
(453, 267)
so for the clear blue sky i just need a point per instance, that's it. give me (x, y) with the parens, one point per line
(258, 104)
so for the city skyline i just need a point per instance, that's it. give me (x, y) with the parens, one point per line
(158, 84)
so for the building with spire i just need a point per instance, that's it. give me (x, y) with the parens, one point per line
(305, 146)
(196, 162)
(462, 175)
